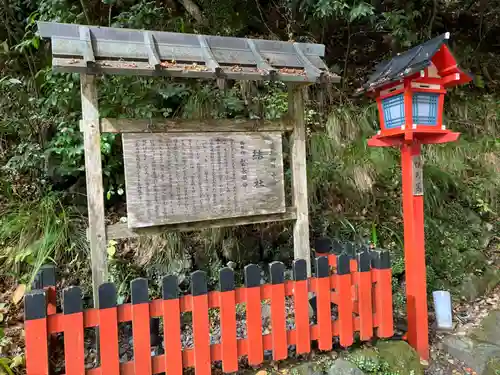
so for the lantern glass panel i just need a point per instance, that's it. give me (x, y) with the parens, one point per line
(425, 107)
(394, 111)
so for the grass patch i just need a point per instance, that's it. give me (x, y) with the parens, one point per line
(36, 233)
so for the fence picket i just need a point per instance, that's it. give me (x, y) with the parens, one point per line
(383, 294)
(108, 330)
(141, 326)
(364, 292)
(201, 323)
(301, 307)
(73, 331)
(46, 279)
(324, 309)
(228, 321)
(35, 328)
(278, 319)
(345, 306)
(255, 347)
(172, 325)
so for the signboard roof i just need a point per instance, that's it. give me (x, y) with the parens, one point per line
(94, 49)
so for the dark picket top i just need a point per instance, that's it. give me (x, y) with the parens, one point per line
(363, 300)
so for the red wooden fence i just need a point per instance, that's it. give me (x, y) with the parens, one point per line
(360, 289)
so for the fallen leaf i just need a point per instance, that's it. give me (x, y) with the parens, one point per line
(262, 372)
(17, 361)
(19, 293)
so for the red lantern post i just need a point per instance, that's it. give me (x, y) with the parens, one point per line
(409, 91)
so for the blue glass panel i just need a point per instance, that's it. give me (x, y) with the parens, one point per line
(394, 111)
(425, 108)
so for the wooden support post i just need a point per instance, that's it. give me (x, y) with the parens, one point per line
(301, 249)
(95, 189)
(413, 211)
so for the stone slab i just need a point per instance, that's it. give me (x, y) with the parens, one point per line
(473, 353)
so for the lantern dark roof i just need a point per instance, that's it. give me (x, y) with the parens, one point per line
(411, 62)
(94, 49)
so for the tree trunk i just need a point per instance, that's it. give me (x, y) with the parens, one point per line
(194, 11)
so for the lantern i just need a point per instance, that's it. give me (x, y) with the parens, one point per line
(409, 91)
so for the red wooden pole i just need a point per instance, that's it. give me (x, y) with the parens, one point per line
(254, 321)
(227, 300)
(416, 283)
(201, 324)
(35, 328)
(141, 326)
(172, 325)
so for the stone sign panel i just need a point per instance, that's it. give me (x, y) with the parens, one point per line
(185, 177)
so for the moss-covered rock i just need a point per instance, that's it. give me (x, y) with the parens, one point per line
(400, 357)
(305, 368)
(475, 354)
(493, 367)
(367, 359)
(489, 330)
(343, 367)
(388, 358)
(475, 286)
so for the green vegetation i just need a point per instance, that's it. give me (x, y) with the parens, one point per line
(38, 232)
(354, 190)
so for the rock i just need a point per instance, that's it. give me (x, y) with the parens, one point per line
(304, 368)
(366, 359)
(343, 367)
(492, 367)
(233, 251)
(489, 330)
(475, 286)
(400, 357)
(334, 355)
(481, 348)
(474, 354)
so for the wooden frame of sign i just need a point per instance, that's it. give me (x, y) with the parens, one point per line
(258, 203)
(194, 174)
(252, 132)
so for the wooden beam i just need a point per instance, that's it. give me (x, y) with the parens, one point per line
(125, 125)
(95, 189)
(301, 248)
(121, 230)
(143, 68)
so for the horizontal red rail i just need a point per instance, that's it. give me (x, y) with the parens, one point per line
(91, 316)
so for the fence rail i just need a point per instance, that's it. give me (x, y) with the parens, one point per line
(360, 289)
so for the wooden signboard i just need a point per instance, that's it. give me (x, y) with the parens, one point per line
(187, 177)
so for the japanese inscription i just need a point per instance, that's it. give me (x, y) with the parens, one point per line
(418, 176)
(185, 177)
